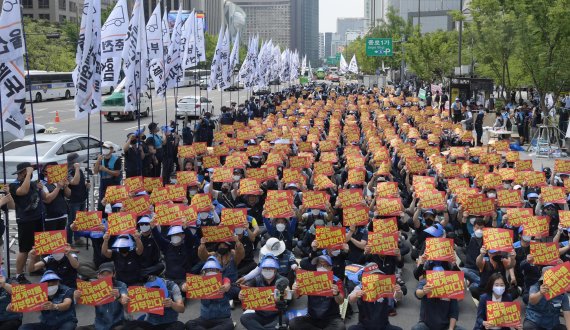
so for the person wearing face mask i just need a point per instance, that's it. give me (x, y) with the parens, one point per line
(495, 291)
(150, 259)
(286, 258)
(337, 255)
(322, 312)
(545, 314)
(214, 313)
(109, 316)
(228, 257)
(550, 210)
(54, 200)
(532, 200)
(263, 319)
(108, 167)
(247, 237)
(126, 257)
(255, 161)
(58, 313)
(494, 263)
(208, 218)
(473, 249)
(282, 229)
(226, 196)
(63, 264)
(374, 315)
(304, 246)
(178, 251)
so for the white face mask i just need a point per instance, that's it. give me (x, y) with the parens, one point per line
(335, 253)
(280, 227)
(238, 231)
(198, 164)
(267, 273)
(321, 269)
(144, 228)
(478, 233)
(491, 195)
(507, 185)
(108, 209)
(210, 273)
(52, 290)
(193, 192)
(498, 290)
(175, 239)
(58, 256)
(527, 238)
(472, 221)
(204, 215)
(236, 177)
(315, 211)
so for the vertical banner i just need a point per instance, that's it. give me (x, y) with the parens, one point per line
(135, 57)
(113, 35)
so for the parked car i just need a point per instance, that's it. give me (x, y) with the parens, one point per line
(193, 107)
(262, 91)
(52, 147)
(29, 131)
(114, 105)
(334, 78)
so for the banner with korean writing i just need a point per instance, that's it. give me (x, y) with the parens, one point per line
(519, 216)
(223, 174)
(312, 283)
(389, 207)
(139, 205)
(115, 194)
(498, 239)
(492, 180)
(249, 186)
(169, 214)
(234, 217)
(96, 293)
(385, 226)
(56, 173)
(279, 208)
(544, 254)
(446, 284)
(553, 194)
(151, 183)
(187, 178)
(134, 184)
(122, 223)
(376, 286)
(203, 202)
(146, 300)
(387, 189)
(49, 242)
(383, 244)
(29, 297)
(561, 166)
(258, 299)
(479, 205)
(557, 279)
(509, 198)
(537, 226)
(504, 314)
(203, 287)
(315, 199)
(357, 215)
(217, 233)
(349, 197)
(564, 218)
(330, 237)
(88, 220)
(323, 168)
(434, 200)
(440, 249)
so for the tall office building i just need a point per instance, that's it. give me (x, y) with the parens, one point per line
(354, 25)
(57, 11)
(321, 46)
(373, 12)
(269, 19)
(305, 28)
(328, 44)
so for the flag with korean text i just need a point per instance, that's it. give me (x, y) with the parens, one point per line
(113, 35)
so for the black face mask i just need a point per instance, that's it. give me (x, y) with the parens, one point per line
(429, 222)
(225, 190)
(497, 258)
(223, 250)
(124, 250)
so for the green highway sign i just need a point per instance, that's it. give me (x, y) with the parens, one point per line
(332, 60)
(379, 47)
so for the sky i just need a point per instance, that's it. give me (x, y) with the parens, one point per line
(330, 10)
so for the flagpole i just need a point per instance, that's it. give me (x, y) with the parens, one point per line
(6, 213)
(164, 65)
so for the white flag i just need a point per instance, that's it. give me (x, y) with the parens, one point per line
(353, 67)
(218, 71)
(275, 63)
(113, 35)
(200, 39)
(135, 58)
(285, 66)
(310, 72)
(173, 63)
(343, 67)
(87, 73)
(226, 81)
(189, 59)
(154, 35)
(165, 33)
(234, 56)
(12, 81)
(304, 65)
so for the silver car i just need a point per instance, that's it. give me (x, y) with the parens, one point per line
(193, 107)
(52, 147)
(29, 130)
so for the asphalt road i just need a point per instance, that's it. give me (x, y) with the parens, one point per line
(45, 112)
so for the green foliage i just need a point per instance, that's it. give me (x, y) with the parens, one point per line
(432, 56)
(48, 54)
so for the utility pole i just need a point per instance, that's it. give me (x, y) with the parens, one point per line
(460, 33)
(419, 17)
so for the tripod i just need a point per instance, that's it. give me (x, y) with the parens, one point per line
(547, 139)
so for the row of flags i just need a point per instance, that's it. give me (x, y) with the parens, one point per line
(344, 67)
(143, 51)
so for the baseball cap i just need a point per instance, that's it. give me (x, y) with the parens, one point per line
(108, 144)
(50, 275)
(106, 267)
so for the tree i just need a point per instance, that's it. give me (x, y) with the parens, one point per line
(544, 35)
(431, 56)
(52, 55)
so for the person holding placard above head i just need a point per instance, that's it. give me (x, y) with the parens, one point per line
(110, 315)
(543, 313)
(64, 264)
(58, 313)
(54, 199)
(495, 291)
(269, 276)
(323, 312)
(125, 255)
(490, 262)
(214, 313)
(436, 313)
(178, 252)
(374, 315)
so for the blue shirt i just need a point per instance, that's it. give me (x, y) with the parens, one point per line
(106, 316)
(546, 313)
(54, 318)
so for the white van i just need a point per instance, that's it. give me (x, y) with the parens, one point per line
(114, 105)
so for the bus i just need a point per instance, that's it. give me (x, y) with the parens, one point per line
(48, 85)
